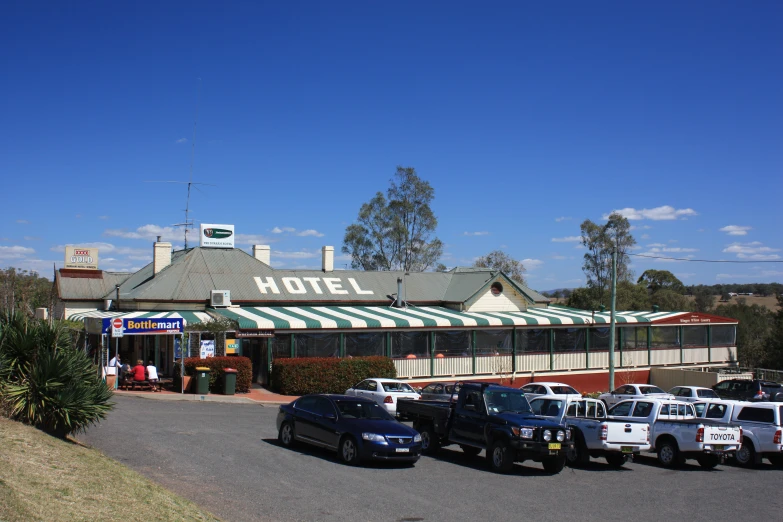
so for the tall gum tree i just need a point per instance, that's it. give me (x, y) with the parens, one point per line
(600, 240)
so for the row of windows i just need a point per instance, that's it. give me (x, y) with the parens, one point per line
(455, 343)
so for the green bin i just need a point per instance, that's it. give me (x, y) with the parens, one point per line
(229, 381)
(202, 380)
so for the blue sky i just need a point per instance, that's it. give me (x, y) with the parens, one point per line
(526, 118)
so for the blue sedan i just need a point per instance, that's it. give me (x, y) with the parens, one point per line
(358, 429)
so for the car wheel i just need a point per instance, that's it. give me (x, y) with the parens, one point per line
(470, 451)
(286, 434)
(500, 456)
(708, 461)
(746, 455)
(668, 454)
(577, 455)
(429, 440)
(616, 460)
(349, 451)
(554, 464)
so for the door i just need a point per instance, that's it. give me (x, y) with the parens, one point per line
(324, 423)
(253, 350)
(469, 419)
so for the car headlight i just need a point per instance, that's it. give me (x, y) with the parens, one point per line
(374, 437)
(560, 436)
(524, 433)
(417, 438)
(547, 435)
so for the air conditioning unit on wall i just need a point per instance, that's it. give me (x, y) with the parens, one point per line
(220, 298)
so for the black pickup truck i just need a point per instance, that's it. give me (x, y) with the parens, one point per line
(489, 417)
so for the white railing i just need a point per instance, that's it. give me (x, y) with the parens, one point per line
(695, 355)
(453, 366)
(661, 357)
(569, 360)
(533, 362)
(634, 358)
(495, 364)
(599, 359)
(412, 367)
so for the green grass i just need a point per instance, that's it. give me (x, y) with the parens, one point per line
(44, 478)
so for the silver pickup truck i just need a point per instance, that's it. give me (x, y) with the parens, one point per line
(594, 434)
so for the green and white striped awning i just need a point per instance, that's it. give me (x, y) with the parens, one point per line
(186, 315)
(350, 317)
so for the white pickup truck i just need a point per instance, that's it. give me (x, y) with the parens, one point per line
(678, 434)
(594, 434)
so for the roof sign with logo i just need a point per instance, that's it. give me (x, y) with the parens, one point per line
(144, 326)
(81, 258)
(217, 236)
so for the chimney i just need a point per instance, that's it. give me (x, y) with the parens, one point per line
(399, 292)
(161, 255)
(327, 258)
(262, 253)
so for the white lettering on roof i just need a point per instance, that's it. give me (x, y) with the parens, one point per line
(270, 283)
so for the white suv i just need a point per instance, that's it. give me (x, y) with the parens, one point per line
(762, 432)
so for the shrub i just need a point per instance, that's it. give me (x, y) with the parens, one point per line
(326, 375)
(242, 365)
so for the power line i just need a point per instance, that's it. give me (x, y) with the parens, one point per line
(701, 260)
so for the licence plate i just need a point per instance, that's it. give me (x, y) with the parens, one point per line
(554, 445)
(626, 449)
(718, 447)
(402, 450)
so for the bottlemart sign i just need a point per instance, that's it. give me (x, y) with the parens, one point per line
(217, 236)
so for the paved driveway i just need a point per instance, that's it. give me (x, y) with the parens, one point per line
(225, 457)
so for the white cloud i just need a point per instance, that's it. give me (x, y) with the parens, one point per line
(568, 239)
(532, 264)
(657, 249)
(252, 239)
(562, 218)
(735, 230)
(280, 230)
(645, 236)
(475, 233)
(15, 252)
(145, 232)
(302, 254)
(22, 221)
(640, 227)
(663, 213)
(734, 276)
(106, 248)
(754, 250)
(182, 140)
(309, 232)
(652, 245)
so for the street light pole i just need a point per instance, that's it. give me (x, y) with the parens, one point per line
(612, 319)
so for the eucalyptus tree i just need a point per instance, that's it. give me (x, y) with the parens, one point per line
(600, 240)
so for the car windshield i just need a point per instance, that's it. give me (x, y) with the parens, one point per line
(564, 390)
(707, 393)
(361, 410)
(397, 387)
(647, 390)
(499, 401)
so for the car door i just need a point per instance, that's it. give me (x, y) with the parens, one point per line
(469, 418)
(304, 417)
(373, 391)
(324, 426)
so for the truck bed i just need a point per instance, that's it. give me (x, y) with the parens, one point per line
(434, 411)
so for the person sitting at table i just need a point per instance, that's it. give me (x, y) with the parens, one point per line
(152, 375)
(139, 371)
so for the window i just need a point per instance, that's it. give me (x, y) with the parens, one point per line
(664, 409)
(317, 345)
(716, 411)
(634, 338)
(365, 344)
(474, 400)
(371, 386)
(570, 340)
(621, 409)
(647, 390)
(361, 410)
(452, 343)
(307, 404)
(533, 340)
(724, 335)
(572, 408)
(699, 407)
(752, 414)
(429, 389)
(710, 394)
(642, 409)
(493, 342)
(694, 336)
(281, 346)
(626, 390)
(601, 410)
(323, 407)
(396, 387)
(599, 339)
(665, 337)
(723, 386)
(563, 390)
(410, 345)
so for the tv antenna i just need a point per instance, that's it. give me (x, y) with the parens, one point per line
(188, 223)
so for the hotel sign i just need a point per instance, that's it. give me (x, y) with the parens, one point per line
(217, 236)
(242, 334)
(81, 258)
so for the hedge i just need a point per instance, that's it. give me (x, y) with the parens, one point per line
(305, 375)
(242, 365)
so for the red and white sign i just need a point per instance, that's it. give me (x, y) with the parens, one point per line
(116, 327)
(116, 322)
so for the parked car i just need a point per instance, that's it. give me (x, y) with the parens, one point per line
(492, 418)
(633, 391)
(440, 391)
(593, 433)
(678, 434)
(383, 391)
(749, 390)
(693, 393)
(357, 428)
(537, 389)
(762, 433)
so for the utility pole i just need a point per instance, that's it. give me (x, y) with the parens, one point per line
(611, 319)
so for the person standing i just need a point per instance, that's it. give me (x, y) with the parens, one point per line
(152, 376)
(116, 366)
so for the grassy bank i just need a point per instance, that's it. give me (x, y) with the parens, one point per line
(44, 478)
